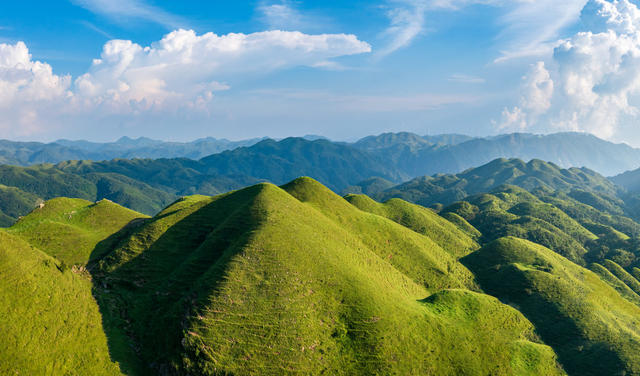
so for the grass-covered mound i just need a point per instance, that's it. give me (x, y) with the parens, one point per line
(270, 280)
(49, 321)
(69, 229)
(592, 328)
(420, 219)
(449, 188)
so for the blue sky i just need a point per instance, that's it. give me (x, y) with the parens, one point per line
(101, 69)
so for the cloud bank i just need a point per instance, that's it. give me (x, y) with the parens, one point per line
(181, 71)
(592, 81)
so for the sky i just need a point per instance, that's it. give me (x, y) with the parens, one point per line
(181, 70)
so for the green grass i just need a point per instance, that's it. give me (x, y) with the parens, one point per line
(70, 229)
(591, 327)
(623, 275)
(421, 220)
(297, 280)
(49, 321)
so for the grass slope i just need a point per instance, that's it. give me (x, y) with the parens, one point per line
(69, 229)
(296, 280)
(592, 328)
(49, 321)
(420, 219)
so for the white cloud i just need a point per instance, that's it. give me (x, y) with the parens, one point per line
(123, 11)
(178, 74)
(537, 91)
(282, 16)
(26, 87)
(594, 81)
(532, 28)
(98, 30)
(407, 18)
(173, 70)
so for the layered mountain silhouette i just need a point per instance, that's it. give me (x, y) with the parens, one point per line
(371, 165)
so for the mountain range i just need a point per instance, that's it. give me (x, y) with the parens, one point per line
(176, 266)
(371, 166)
(408, 154)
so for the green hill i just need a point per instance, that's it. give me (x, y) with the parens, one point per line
(21, 188)
(447, 189)
(419, 219)
(50, 323)
(592, 328)
(69, 229)
(15, 203)
(296, 280)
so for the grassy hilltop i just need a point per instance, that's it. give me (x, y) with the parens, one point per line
(298, 280)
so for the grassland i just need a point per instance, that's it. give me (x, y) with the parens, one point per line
(50, 323)
(298, 280)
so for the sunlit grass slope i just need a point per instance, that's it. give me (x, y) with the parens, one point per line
(69, 229)
(592, 328)
(49, 321)
(295, 280)
(421, 220)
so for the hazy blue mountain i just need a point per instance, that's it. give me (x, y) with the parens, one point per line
(417, 156)
(406, 153)
(29, 153)
(630, 180)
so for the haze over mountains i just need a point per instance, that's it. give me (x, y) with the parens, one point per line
(409, 154)
(371, 165)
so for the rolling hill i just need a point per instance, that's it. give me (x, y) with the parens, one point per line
(446, 189)
(296, 279)
(290, 279)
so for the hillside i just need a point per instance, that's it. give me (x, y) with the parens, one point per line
(446, 189)
(592, 328)
(70, 229)
(260, 304)
(49, 320)
(225, 284)
(22, 188)
(296, 279)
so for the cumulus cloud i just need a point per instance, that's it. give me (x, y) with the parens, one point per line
(182, 71)
(26, 86)
(594, 80)
(537, 91)
(186, 67)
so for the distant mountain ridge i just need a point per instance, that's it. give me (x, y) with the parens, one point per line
(29, 153)
(381, 162)
(448, 188)
(429, 155)
(408, 154)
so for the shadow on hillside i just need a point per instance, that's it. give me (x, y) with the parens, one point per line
(148, 301)
(577, 354)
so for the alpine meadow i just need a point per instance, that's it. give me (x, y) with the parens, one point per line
(279, 187)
